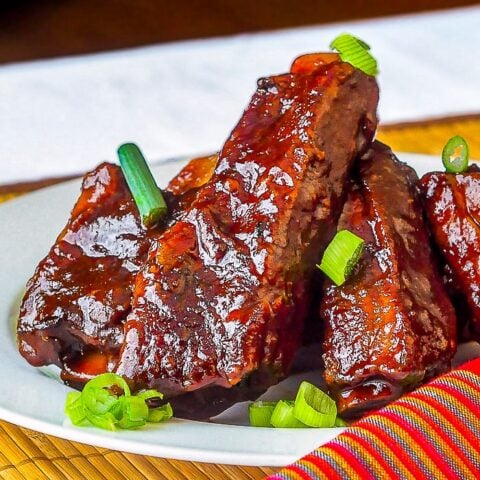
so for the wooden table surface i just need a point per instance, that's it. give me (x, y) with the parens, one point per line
(42, 29)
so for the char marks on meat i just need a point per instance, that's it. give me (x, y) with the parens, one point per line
(75, 305)
(225, 291)
(391, 324)
(452, 204)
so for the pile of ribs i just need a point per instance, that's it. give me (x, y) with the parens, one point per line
(211, 305)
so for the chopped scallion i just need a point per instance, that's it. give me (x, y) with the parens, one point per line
(134, 413)
(149, 394)
(147, 195)
(339, 422)
(160, 414)
(107, 421)
(260, 413)
(109, 381)
(74, 408)
(97, 400)
(455, 155)
(283, 415)
(341, 256)
(356, 52)
(106, 402)
(311, 408)
(314, 407)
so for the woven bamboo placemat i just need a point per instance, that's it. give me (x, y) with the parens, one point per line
(25, 454)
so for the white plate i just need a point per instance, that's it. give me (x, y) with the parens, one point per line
(29, 226)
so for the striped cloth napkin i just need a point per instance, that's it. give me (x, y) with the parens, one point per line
(432, 433)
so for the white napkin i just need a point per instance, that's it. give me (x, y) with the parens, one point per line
(65, 116)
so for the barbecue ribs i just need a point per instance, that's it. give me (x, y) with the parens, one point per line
(224, 292)
(74, 307)
(452, 204)
(391, 324)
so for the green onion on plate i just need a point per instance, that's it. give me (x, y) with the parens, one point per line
(106, 402)
(158, 413)
(311, 408)
(339, 422)
(341, 256)
(356, 52)
(134, 412)
(455, 155)
(260, 413)
(314, 407)
(74, 408)
(145, 192)
(283, 415)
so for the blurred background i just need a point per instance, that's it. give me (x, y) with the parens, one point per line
(80, 77)
(33, 29)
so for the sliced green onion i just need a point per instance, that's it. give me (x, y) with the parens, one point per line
(74, 408)
(134, 413)
(283, 417)
(156, 414)
(147, 195)
(117, 408)
(160, 414)
(340, 423)
(356, 52)
(98, 401)
(109, 381)
(341, 256)
(455, 155)
(260, 413)
(148, 394)
(314, 407)
(107, 421)
(106, 402)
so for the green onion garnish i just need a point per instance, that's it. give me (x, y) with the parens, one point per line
(148, 394)
(341, 256)
(260, 413)
(106, 421)
(156, 414)
(455, 155)
(74, 408)
(160, 414)
(134, 413)
(314, 407)
(339, 422)
(106, 402)
(147, 195)
(356, 52)
(283, 416)
(311, 408)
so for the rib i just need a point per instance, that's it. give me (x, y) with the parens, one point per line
(452, 205)
(224, 294)
(75, 305)
(391, 325)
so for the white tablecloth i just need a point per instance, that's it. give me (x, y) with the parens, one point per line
(65, 116)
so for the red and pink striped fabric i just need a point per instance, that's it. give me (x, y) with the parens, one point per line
(432, 433)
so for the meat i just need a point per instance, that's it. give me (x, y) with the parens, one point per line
(74, 307)
(452, 205)
(224, 293)
(391, 325)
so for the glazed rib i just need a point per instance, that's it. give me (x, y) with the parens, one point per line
(452, 205)
(225, 292)
(391, 324)
(74, 307)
